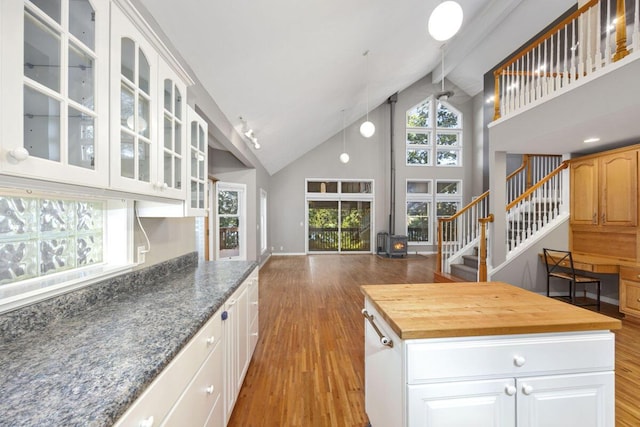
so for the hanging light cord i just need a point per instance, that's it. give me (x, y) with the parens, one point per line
(344, 140)
(366, 55)
(442, 65)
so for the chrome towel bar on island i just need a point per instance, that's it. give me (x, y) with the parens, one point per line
(384, 340)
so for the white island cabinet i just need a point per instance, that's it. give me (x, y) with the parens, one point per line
(469, 360)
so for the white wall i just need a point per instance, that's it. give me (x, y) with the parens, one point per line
(169, 238)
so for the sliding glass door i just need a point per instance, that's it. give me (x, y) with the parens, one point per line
(339, 226)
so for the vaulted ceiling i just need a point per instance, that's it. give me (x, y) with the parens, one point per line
(290, 67)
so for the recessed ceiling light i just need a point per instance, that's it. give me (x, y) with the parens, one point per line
(589, 140)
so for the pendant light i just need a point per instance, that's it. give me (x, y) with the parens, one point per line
(445, 20)
(344, 157)
(367, 129)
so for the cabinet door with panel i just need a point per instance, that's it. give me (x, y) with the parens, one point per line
(584, 192)
(236, 341)
(630, 291)
(197, 164)
(470, 403)
(172, 132)
(134, 128)
(55, 68)
(618, 184)
(585, 400)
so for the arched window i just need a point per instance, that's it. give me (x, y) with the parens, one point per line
(434, 134)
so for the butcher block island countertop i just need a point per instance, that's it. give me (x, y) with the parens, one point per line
(438, 310)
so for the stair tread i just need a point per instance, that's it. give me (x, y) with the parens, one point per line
(463, 267)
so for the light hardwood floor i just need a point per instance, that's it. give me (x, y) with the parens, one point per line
(308, 368)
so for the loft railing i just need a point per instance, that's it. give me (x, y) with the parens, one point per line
(535, 208)
(459, 233)
(586, 41)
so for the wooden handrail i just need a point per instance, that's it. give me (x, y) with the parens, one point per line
(538, 184)
(482, 261)
(464, 209)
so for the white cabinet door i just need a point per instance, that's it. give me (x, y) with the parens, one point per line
(233, 342)
(585, 400)
(134, 97)
(172, 132)
(485, 403)
(197, 164)
(55, 79)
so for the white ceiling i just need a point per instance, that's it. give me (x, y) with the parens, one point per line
(290, 67)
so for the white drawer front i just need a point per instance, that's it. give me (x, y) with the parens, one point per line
(440, 359)
(200, 398)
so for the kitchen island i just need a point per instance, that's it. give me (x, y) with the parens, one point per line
(485, 354)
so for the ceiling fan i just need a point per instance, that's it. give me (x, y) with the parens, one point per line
(443, 94)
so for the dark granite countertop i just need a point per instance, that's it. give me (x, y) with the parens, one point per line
(87, 369)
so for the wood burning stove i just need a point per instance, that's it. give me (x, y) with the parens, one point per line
(396, 245)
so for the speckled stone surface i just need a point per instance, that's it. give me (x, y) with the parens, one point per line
(86, 369)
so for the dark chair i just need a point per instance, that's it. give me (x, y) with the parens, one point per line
(560, 266)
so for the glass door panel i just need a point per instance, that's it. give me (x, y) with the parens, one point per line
(355, 226)
(323, 226)
(230, 222)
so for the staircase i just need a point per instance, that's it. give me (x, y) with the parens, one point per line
(468, 270)
(534, 192)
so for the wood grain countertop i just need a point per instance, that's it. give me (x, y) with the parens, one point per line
(439, 310)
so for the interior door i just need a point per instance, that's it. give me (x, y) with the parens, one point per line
(230, 221)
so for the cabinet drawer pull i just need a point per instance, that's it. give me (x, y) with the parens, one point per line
(638, 276)
(147, 422)
(211, 340)
(210, 389)
(384, 340)
(510, 390)
(519, 361)
(527, 389)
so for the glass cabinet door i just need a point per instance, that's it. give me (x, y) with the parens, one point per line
(52, 93)
(171, 168)
(197, 165)
(134, 108)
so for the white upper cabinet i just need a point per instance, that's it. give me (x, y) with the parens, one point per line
(197, 163)
(148, 110)
(55, 80)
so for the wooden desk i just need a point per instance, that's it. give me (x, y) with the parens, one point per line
(593, 263)
(629, 277)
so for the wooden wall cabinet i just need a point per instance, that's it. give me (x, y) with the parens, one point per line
(630, 291)
(604, 190)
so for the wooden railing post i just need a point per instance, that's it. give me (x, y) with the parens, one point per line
(496, 96)
(439, 256)
(621, 32)
(482, 262)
